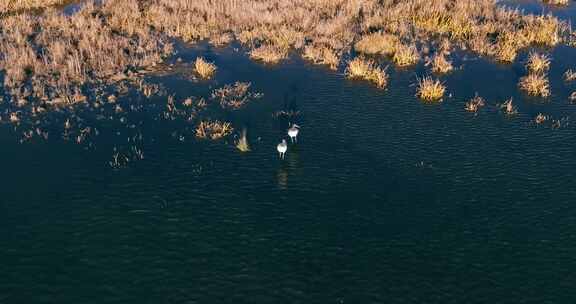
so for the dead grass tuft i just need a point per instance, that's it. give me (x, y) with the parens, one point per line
(535, 85)
(204, 68)
(538, 63)
(430, 89)
(367, 69)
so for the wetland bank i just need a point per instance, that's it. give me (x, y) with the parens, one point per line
(434, 164)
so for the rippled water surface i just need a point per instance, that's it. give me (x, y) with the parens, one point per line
(383, 200)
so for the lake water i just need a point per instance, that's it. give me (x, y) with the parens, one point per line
(384, 199)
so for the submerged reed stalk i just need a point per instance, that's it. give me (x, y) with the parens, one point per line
(430, 89)
(367, 69)
(535, 85)
(204, 68)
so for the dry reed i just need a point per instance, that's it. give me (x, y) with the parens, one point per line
(430, 89)
(213, 130)
(367, 69)
(535, 84)
(204, 68)
(538, 63)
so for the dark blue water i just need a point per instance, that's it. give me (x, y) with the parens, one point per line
(383, 200)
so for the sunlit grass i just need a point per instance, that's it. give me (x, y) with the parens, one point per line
(204, 68)
(430, 89)
(367, 69)
(535, 85)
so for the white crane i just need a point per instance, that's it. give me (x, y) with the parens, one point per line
(293, 132)
(282, 148)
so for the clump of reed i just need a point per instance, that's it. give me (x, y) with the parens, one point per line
(204, 68)
(440, 64)
(557, 2)
(268, 53)
(509, 107)
(535, 85)
(321, 55)
(569, 75)
(367, 69)
(541, 118)
(234, 96)
(213, 129)
(405, 55)
(537, 63)
(474, 104)
(572, 97)
(430, 89)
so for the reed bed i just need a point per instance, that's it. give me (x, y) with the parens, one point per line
(51, 60)
(368, 69)
(430, 89)
(9, 6)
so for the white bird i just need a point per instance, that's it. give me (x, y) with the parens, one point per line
(282, 148)
(293, 132)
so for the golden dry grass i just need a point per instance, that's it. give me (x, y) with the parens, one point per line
(268, 54)
(204, 68)
(322, 55)
(538, 63)
(213, 130)
(405, 55)
(377, 43)
(535, 84)
(430, 89)
(367, 69)
(54, 57)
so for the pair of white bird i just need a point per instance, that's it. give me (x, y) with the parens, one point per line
(293, 134)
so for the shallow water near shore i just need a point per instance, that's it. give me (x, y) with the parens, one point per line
(384, 199)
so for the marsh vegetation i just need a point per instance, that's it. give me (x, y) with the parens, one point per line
(51, 61)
